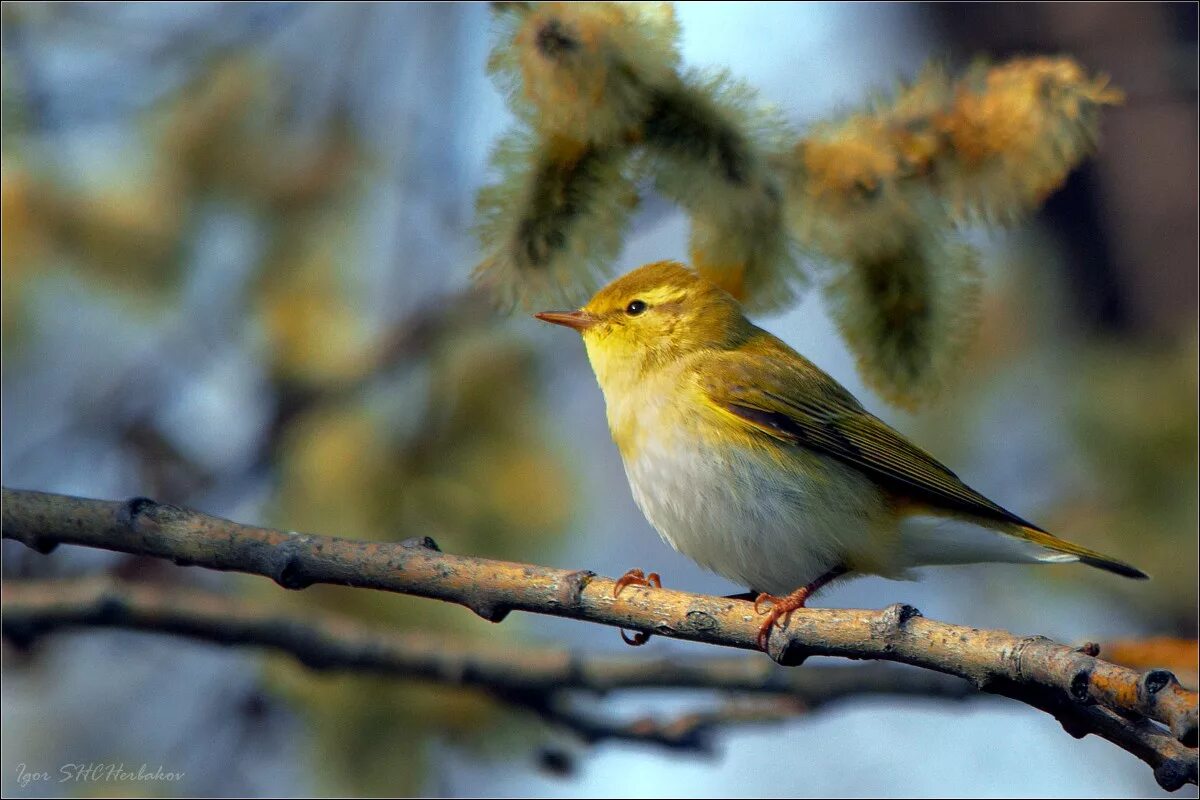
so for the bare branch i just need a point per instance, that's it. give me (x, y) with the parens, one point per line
(689, 732)
(1086, 694)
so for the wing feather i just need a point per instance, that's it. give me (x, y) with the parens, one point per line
(769, 387)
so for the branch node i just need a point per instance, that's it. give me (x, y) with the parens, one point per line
(788, 652)
(1184, 726)
(21, 634)
(1074, 726)
(316, 660)
(570, 588)
(1155, 681)
(1089, 649)
(984, 682)
(492, 612)
(110, 609)
(135, 507)
(1173, 773)
(288, 568)
(1017, 653)
(314, 653)
(423, 542)
(43, 545)
(1081, 684)
(701, 620)
(556, 761)
(891, 619)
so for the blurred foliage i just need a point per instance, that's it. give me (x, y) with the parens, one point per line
(879, 196)
(1133, 417)
(472, 468)
(380, 430)
(1123, 412)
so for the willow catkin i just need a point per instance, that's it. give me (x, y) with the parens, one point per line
(1013, 133)
(581, 78)
(882, 192)
(908, 315)
(713, 149)
(585, 72)
(987, 148)
(599, 92)
(553, 222)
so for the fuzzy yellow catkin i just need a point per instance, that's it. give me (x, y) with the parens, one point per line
(987, 148)
(581, 77)
(713, 149)
(1015, 131)
(883, 192)
(585, 72)
(908, 315)
(553, 222)
(603, 104)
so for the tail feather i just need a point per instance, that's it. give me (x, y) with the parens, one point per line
(1083, 554)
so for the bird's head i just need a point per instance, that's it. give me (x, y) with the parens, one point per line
(651, 317)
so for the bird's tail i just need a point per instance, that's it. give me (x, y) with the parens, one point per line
(1062, 550)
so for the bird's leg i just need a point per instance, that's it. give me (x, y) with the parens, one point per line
(636, 577)
(782, 607)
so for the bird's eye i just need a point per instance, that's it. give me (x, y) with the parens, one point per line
(635, 307)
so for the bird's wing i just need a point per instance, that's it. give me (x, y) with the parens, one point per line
(773, 391)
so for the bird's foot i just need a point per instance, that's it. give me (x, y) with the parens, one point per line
(781, 608)
(635, 577)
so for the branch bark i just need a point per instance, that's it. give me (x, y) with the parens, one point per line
(1086, 694)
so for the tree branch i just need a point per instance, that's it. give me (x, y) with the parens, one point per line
(1086, 694)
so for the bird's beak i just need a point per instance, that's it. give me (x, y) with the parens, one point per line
(579, 320)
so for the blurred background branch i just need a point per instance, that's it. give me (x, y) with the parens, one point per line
(527, 676)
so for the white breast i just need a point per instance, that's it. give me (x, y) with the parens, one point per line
(733, 512)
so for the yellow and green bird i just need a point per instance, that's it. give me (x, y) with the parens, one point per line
(750, 460)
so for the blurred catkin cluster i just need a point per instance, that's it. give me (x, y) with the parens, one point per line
(455, 450)
(879, 197)
(1133, 418)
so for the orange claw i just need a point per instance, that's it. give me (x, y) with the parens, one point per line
(780, 607)
(638, 639)
(784, 606)
(636, 577)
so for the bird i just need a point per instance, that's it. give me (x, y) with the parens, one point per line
(749, 459)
